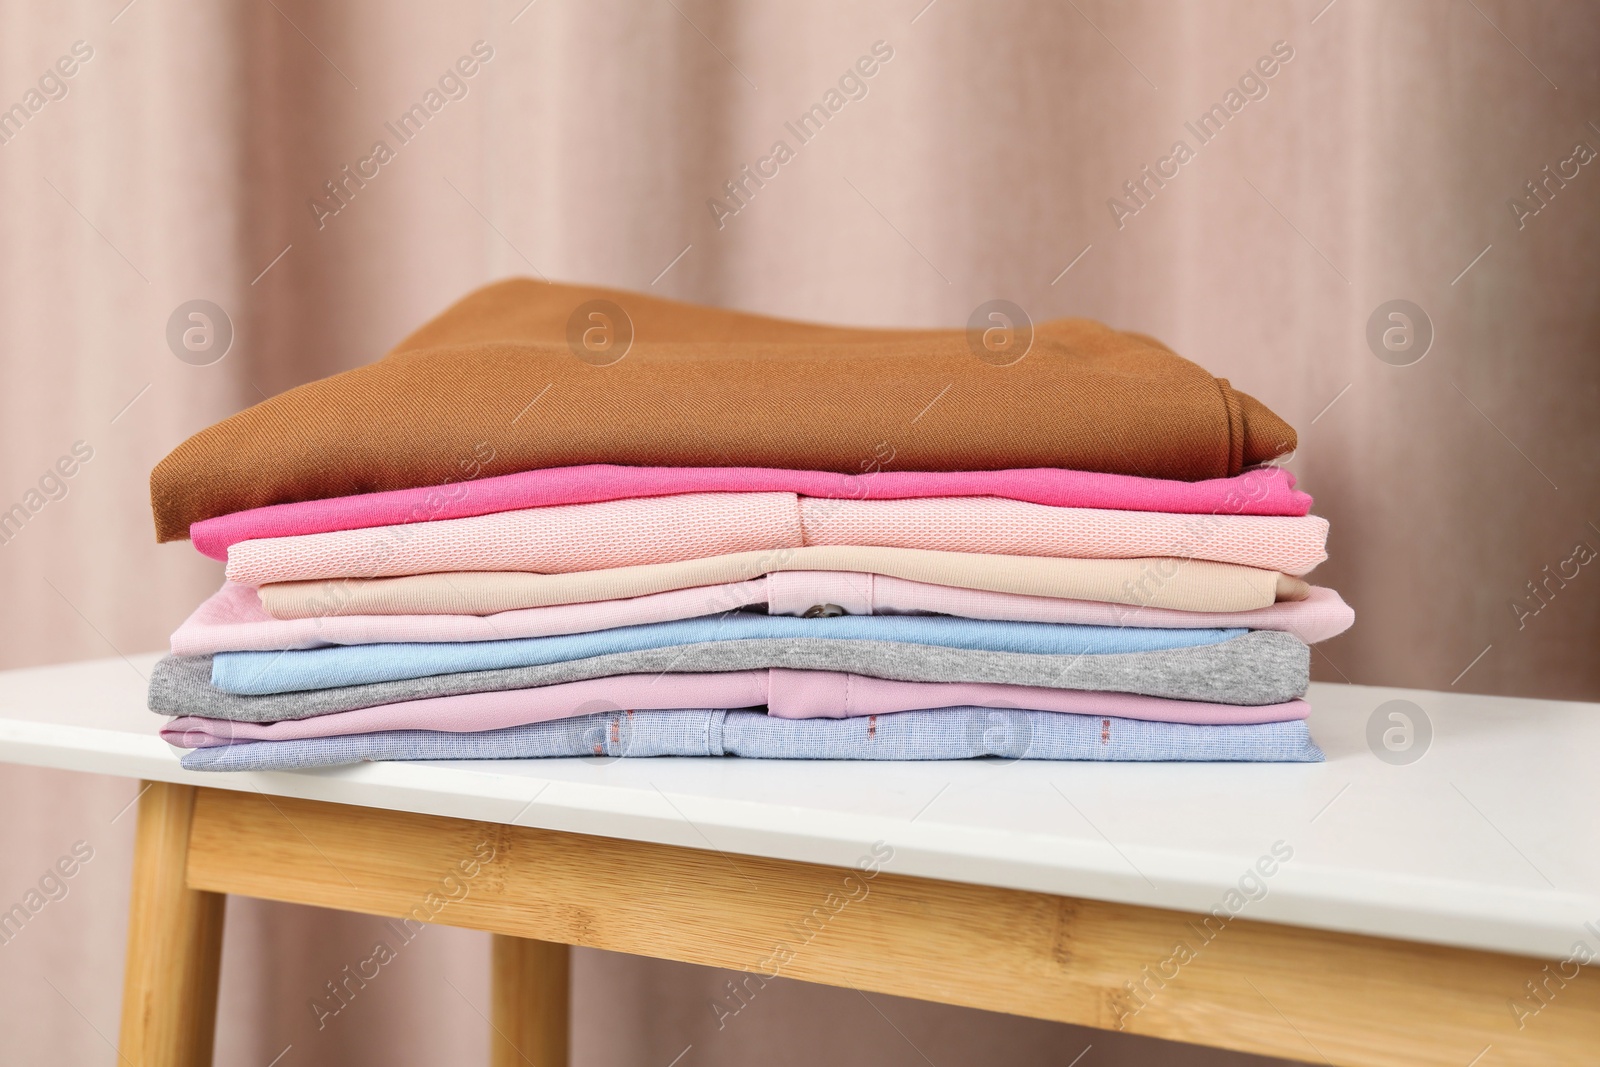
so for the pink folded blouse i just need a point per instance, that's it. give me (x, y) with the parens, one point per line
(563, 539)
(1265, 491)
(787, 694)
(233, 620)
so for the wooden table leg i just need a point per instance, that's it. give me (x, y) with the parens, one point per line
(169, 989)
(529, 996)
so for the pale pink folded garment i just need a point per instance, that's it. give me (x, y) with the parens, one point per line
(565, 539)
(233, 620)
(1265, 491)
(1160, 582)
(787, 694)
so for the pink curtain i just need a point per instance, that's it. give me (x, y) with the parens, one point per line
(1387, 156)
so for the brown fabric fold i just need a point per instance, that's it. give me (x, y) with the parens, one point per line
(492, 386)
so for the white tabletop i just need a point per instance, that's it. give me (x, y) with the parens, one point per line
(1489, 840)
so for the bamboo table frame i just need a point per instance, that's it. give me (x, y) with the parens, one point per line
(1344, 998)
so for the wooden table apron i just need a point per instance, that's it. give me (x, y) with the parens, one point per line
(1256, 987)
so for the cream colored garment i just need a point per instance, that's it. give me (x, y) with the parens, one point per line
(1157, 582)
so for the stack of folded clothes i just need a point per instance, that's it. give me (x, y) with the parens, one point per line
(744, 537)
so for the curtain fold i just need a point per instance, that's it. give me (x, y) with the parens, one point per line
(187, 157)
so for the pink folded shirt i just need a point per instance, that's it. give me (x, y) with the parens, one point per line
(562, 539)
(233, 620)
(787, 694)
(1265, 491)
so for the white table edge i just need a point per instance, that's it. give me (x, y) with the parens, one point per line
(1533, 922)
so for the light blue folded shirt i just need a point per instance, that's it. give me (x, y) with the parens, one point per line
(259, 673)
(942, 734)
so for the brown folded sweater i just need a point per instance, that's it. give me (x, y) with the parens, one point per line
(491, 387)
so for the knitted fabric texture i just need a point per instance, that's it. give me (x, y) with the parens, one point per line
(703, 387)
(785, 694)
(1182, 585)
(626, 533)
(1260, 667)
(233, 620)
(320, 668)
(1262, 491)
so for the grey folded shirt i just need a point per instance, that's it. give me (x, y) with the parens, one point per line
(1260, 667)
